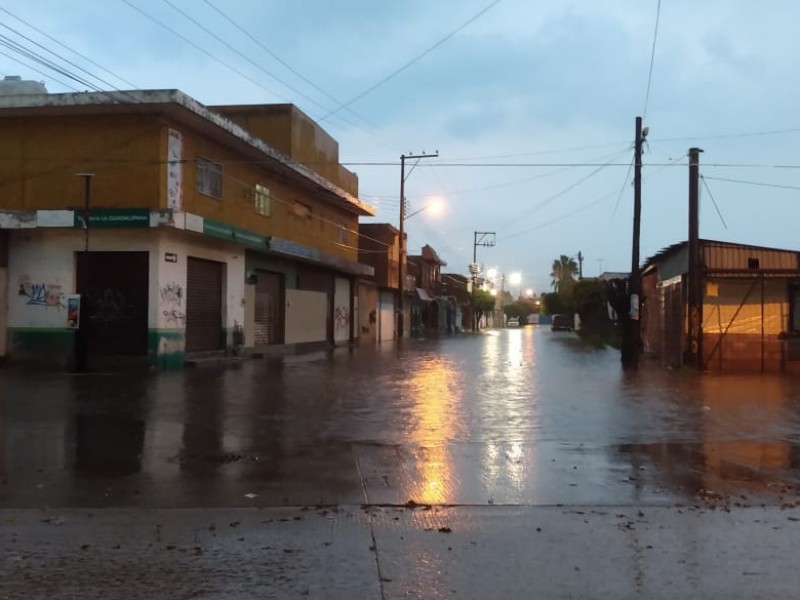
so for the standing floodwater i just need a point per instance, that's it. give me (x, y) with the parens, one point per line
(520, 416)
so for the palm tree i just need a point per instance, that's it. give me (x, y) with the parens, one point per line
(563, 273)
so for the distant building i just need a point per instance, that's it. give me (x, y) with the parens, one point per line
(379, 247)
(429, 313)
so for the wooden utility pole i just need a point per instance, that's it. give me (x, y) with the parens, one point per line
(580, 265)
(632, 333)
(694, 352)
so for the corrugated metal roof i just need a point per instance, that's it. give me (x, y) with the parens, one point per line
(673, 248)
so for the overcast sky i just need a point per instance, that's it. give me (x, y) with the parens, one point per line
(552, 86)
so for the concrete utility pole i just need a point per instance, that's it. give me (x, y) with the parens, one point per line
(82, 335)
(694, 354)
(485, 239)
(402, 266)
(632, 334)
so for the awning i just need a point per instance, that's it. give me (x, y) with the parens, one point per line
(423, 295)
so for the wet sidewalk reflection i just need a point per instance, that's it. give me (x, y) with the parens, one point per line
(522, 416)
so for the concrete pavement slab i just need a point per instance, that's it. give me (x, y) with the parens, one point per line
(469, 552)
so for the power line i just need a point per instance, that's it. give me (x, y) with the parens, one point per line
(652, 60)
(622, 189)
(561, 218)
(39, 71)
(186, 40)
(710, 195)
(558, 194)
(576, 164)
(294, 71)
(412, 61)
(245, 57)
(757, 183)
(51, 38)
(725, 136)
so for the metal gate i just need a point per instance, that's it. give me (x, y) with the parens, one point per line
(204, 305)
(674, 327)
(115, 287)
(268, 327)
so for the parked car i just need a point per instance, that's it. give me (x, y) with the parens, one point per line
(561, 323)
(512, 322)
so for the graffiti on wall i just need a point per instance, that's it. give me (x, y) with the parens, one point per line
(109, 306)
(40, 293)
(171, 295)
(174, 317)
(341, 317)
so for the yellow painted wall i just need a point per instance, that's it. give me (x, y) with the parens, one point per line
(127, 154)
(40, 156)
(292, 132)
(319, 229)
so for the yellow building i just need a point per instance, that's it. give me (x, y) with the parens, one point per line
(210, 229)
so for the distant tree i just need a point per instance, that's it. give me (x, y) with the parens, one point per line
(517, 309)
(484, 302)
(553, 303)
(563, 273)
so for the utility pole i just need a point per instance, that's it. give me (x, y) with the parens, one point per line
(694, 355)
(485, 239)
(402, 266)
(580, 265)
(82, 335)
(632, 335)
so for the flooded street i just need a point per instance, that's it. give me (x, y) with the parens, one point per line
(511, 417)
(493, 466)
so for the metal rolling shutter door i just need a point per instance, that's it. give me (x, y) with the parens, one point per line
(203, 305)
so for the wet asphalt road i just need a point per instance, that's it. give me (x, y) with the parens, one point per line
(522, 417)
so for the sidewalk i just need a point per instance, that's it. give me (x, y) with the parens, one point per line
(352, 552)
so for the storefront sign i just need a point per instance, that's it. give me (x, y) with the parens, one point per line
(234, 234)
(114, 217)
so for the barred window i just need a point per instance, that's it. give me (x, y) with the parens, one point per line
(209, 178)
(343, 237)
(263, 200)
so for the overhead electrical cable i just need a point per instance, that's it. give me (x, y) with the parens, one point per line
(652, 60)
(757, 183)
(414, 60)
(285, 64)
(714, 202)
(246, 58)
(66, 47)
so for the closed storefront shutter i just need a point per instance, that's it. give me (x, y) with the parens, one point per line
(268, 309)
(204, 305)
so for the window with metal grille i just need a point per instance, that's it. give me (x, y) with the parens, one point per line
(263, 200)
(209, 178)
(343, 237)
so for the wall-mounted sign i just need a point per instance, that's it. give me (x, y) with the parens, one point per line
(175, 170)
(170, 257)
(114, 217)
(73, 311)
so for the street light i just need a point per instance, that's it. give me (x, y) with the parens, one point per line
(401, 267)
